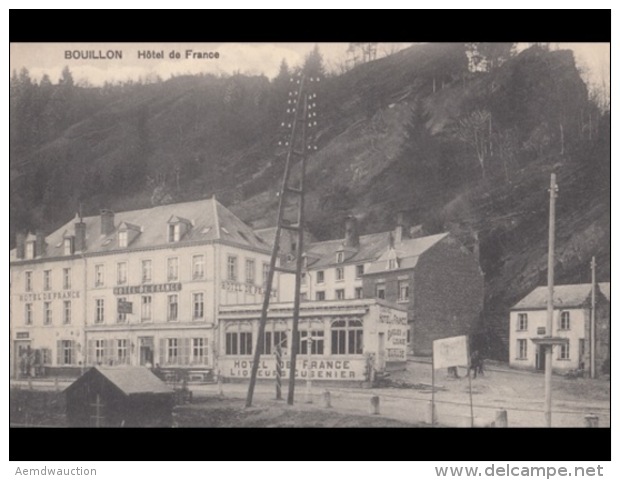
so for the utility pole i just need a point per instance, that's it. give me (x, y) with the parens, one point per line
(301, 106)
(550, 274)
(593, 322)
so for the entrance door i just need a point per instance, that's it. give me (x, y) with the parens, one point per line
(540, 358)
(381, 353)
(146, 351)
(21, 364)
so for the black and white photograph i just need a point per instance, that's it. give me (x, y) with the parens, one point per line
(311, 234)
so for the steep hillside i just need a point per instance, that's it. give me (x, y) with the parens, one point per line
(415, 131)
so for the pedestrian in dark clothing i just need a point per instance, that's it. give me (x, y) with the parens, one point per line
(474, 362)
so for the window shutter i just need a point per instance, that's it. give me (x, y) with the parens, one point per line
(106, 351)
(73, 352)
(205, 360)
(162, 351)
(185, 345)
(59, 352)
(90, 353)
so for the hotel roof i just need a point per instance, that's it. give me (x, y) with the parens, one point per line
(564, 296)
(207, 221)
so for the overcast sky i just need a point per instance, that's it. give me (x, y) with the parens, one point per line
(249, 58)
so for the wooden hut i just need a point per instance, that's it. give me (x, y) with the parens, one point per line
(119, 397)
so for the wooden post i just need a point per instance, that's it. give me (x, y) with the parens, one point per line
(593, 322)
(278, 372)
(374, 405)
(550, 278)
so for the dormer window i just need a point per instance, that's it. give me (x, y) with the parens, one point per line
(177, 228)
(392, 264)
(122, 239)
(340, 257)
(69, 245)
(174, 233)
(30, 250)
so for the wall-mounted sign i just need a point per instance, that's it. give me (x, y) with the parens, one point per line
(147, 288)
(47, 296)
(124, 306)
(394, 323)
(231, 286)
(320, 369)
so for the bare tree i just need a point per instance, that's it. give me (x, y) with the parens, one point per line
(474, 131)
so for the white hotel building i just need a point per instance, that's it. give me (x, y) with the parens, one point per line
(140, 287)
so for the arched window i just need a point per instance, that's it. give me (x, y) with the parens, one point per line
(347, 337)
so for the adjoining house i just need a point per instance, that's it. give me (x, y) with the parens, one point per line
(572, 306)
(434, 277)
(119, 397)
(338, 340)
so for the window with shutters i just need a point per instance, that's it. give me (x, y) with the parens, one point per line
(66, 278)
(347, 337)
(359, 271)
(122, 356)
(564, 351)
(147, 269)
(28, 314)
(99, 352)
(173, 307)
(403, 291)
(320, 276)
(145, 313)
(199, 305)
(99, 275)
(121, 273)
(47, 280)
(175, 351)
(565, 321)
(320, 295)
(359, 292)
(314, 338)
(65, 352)
(172, 355)
(232, 268)
(28, 281)
(99, 310)
(339, 274)
(198, 267)
(265, 273)
(66, 319)
(340, 294)
(199, 351)
(521, 322)
(173, 269)
(522, 349)
(121, 317)
(250, 270)
(380, 291)
(47, 313)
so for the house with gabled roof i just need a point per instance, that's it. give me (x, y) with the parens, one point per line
(572, 307)
(139, 287)
(443, 295)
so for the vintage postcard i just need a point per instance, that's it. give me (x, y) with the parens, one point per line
(309, 235)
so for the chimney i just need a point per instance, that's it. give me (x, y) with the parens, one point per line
(402, 230)
(80, 236)
(351, 236)
(107, 222)
(40, 244)
(20, 240)
(390, 240)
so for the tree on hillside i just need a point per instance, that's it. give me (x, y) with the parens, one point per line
(485, 57)
(313, 63)
(474, 130)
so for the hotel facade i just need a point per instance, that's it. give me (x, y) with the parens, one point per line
(134, 288)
